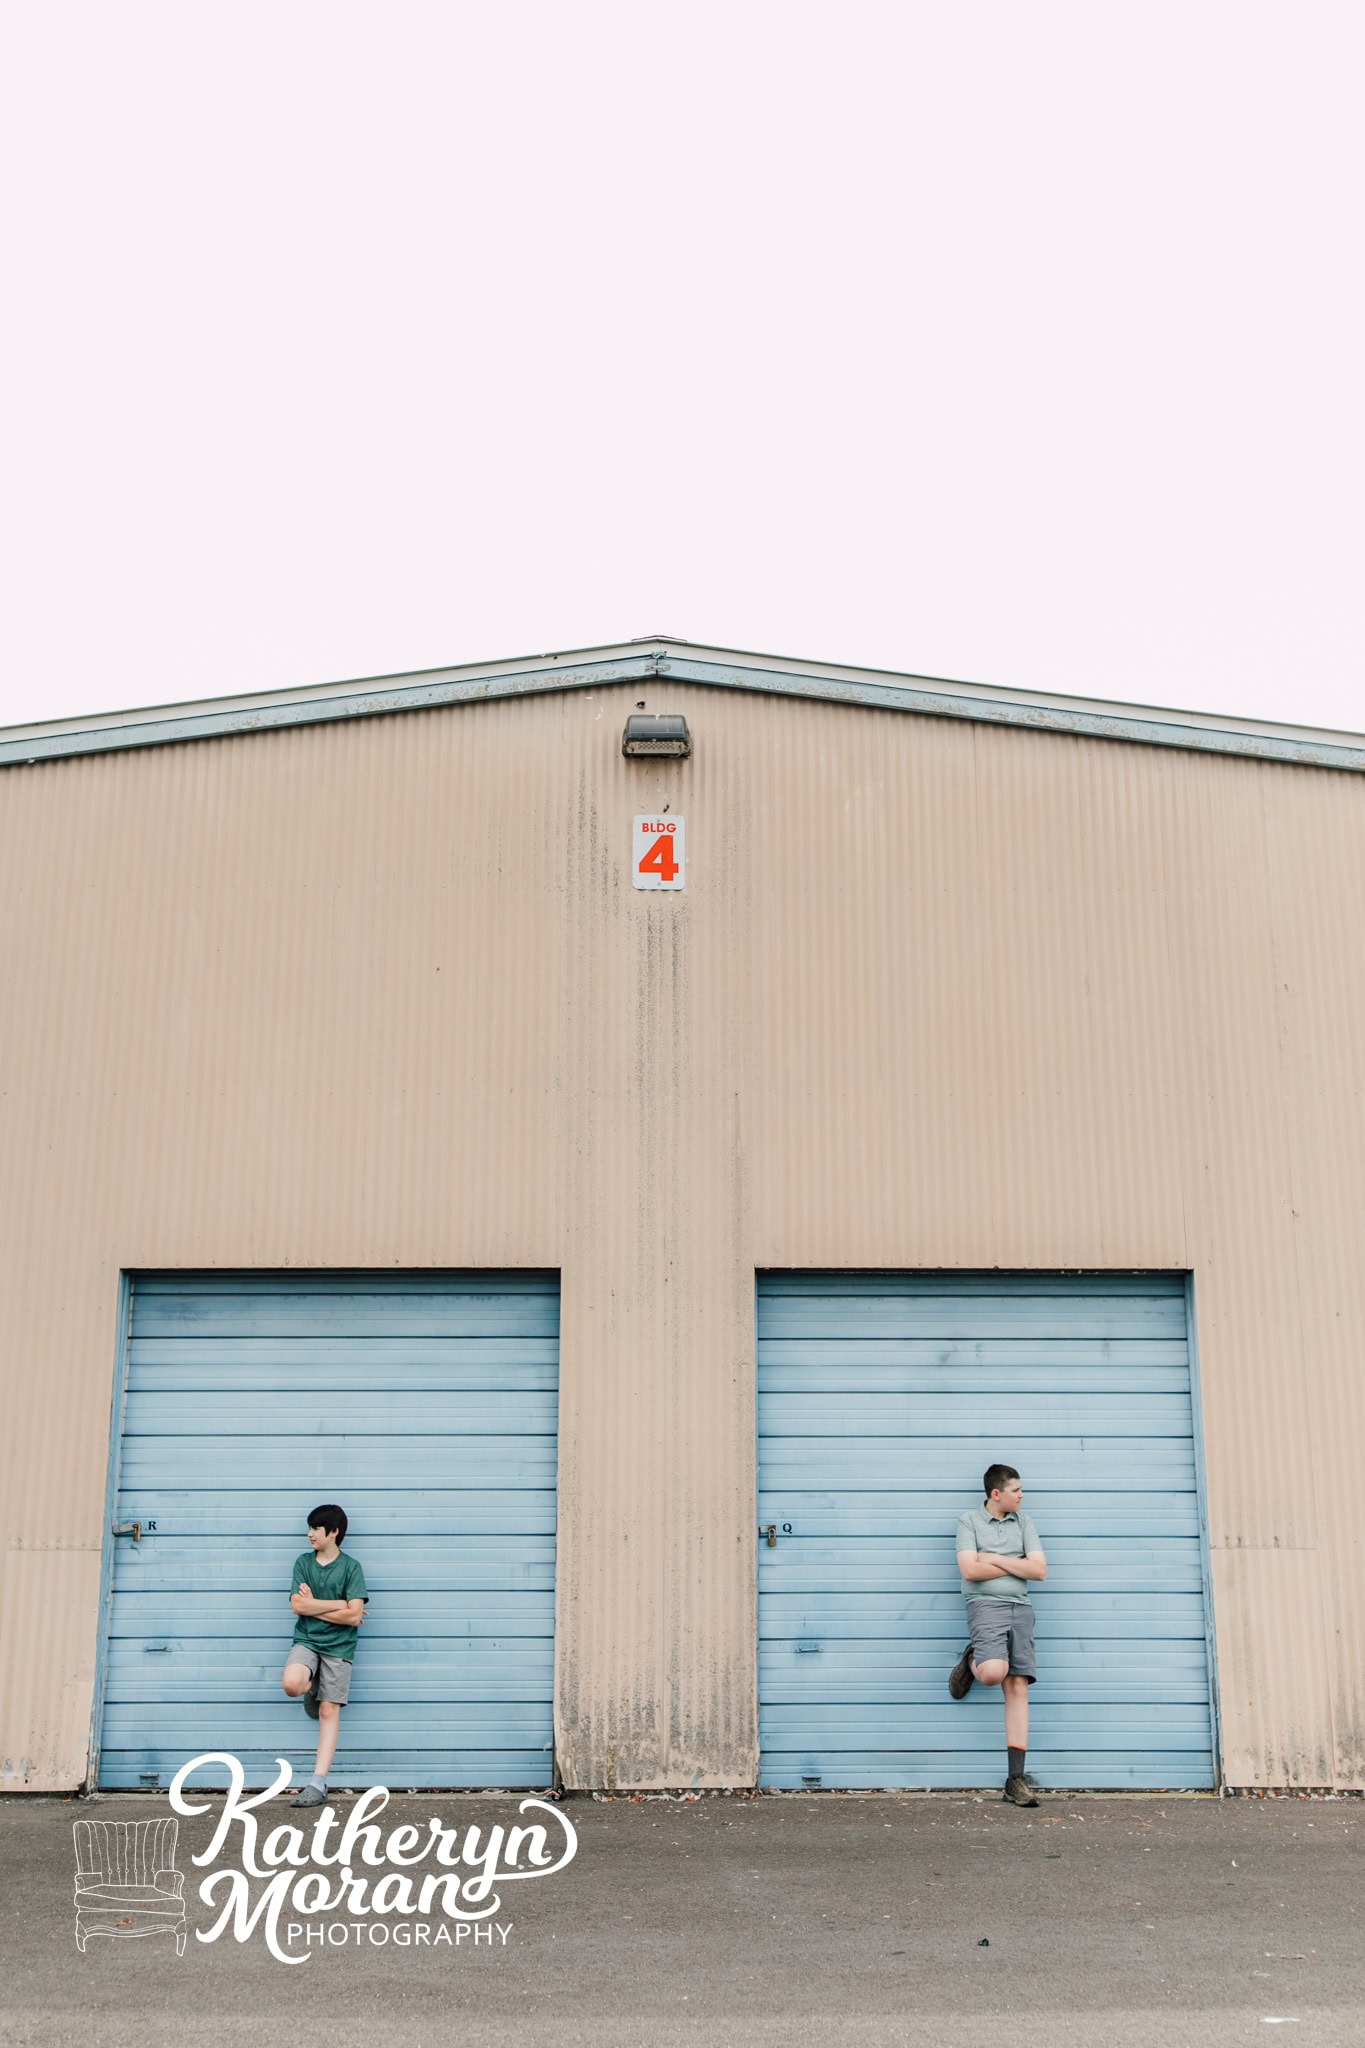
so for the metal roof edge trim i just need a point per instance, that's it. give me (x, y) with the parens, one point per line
(1204, 735)
(220, 718)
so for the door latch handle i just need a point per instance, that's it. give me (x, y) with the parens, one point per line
(133, 1529)
(771, 1533)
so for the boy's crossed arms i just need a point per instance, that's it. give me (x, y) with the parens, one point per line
(342, 1613)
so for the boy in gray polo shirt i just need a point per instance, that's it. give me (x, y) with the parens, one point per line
(998, 1552)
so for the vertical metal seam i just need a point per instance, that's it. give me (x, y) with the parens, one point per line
(1205, 1558)
(757, 1561)
(1168, 948)
(1292, 1195)
(118, 1401)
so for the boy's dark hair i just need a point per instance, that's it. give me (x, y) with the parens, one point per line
(329, 1517)
(993, 1476)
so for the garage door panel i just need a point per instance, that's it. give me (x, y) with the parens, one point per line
(436, 1564)
(878, 1562)
(403, 1769)
(1022, 1284)
(413, 1364)
(469, 1283)
(1061, 1770)
(882, 1398)
(440, 1511)
(409, 1614)
(941, 1725)
(909, 1316)
(970, 1413)
(380, 1411)
(929, 1368)
(480, 1669)
(377, 1311)
(342, 1463)
(854, 1513)
(1086, 1465)
(425, 1404)
(874, 1673)
(280, 1723)
(851, 1613)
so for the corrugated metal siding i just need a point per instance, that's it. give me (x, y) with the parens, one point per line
(937, 994)
(882, 1398)
(426, 1405)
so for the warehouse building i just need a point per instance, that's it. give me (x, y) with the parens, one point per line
(643, 1128)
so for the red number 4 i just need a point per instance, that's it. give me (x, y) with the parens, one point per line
(660, 859)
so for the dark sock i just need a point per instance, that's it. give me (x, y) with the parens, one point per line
(1016, 1757)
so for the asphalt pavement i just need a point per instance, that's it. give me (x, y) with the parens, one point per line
(763, 1922)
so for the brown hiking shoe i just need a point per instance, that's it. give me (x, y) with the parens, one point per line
(960, 1677)
(1019, 1792)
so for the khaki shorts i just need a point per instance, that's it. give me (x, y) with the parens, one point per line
(331, 1675)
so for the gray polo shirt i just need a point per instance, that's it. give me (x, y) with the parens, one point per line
(1011, 1535)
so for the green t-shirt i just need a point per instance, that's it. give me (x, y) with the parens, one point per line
(1011, 1535)
(342, 1579)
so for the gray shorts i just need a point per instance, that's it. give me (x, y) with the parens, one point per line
(332, 1681)
(1003, 1628)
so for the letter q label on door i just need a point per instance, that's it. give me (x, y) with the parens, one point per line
(656, 852)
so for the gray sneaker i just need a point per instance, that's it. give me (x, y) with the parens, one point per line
(1017, 1790)
(310, 1703)
(310, 1796)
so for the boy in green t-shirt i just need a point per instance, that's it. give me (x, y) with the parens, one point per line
(329, 1599)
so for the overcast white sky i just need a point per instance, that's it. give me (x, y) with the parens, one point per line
(1014, 343)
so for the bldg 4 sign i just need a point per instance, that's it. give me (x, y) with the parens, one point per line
(657, 853)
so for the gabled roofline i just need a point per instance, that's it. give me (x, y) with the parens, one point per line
(658, 657)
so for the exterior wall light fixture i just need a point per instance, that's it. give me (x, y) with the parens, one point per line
(650, 734)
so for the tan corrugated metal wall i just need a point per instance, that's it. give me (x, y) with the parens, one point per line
(936, 994)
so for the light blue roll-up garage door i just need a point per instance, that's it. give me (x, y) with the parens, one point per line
(882, 1398)
(426, 1405)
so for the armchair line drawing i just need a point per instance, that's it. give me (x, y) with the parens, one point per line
(127, 1885)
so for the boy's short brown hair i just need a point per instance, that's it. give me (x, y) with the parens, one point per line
(993, 1476)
